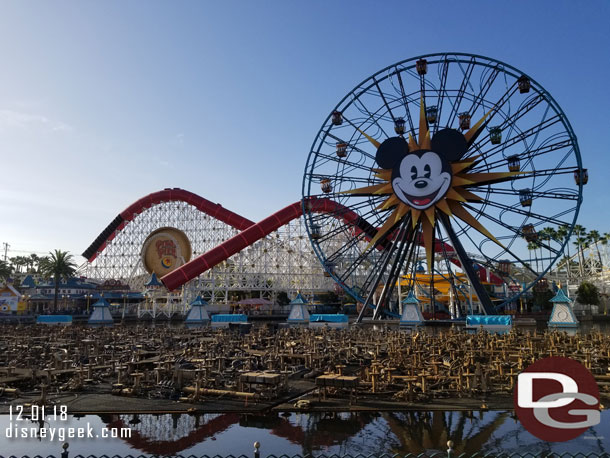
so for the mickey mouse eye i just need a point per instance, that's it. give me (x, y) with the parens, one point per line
(414, 172)
(427, 171)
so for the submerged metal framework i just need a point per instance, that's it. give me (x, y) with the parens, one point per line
(521, 172)
(282, 261)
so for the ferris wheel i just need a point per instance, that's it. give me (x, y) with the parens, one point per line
(453, 161)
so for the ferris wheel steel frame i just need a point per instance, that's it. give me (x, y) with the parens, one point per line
(369, 127)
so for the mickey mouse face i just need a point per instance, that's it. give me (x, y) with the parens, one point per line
(419, 179)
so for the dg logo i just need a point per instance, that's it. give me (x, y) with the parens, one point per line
(557, 399)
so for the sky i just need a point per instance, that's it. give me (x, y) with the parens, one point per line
(102, 103)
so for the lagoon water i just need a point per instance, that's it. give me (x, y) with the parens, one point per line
(297, 433)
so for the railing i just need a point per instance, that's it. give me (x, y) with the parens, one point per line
(257, 454)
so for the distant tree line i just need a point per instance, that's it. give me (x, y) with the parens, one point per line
(581, 240)
(58, 265)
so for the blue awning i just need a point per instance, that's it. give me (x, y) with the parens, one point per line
(489, 320)
(229, 318)
(329, 318)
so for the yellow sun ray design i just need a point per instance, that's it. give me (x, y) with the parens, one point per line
(389, 224)
(389, 203)
(460, 190)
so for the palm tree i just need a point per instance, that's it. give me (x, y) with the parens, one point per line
(57, 265)
(18, 262)
(547, 234)
(580, 242)
(34, 261)
(532, 246)
(5, 270)
(562, 236)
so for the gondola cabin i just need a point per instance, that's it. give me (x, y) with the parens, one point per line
(495, 135)
(581, 176)
(525, 197)
(326, 186)
(529, 233)
(337, 118)
(432, 114)
(399, 126)
(524, 84)
(464, 120)
(421, 66)
(341, 149)
(514, 163)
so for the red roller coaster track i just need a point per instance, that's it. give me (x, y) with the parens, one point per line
(167, 195)
(250, 232)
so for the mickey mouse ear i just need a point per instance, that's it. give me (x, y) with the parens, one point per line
(450, 143)
(391, 152)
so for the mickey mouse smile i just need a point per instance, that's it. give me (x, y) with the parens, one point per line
(418, 201)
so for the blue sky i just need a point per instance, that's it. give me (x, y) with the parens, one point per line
(102, 103)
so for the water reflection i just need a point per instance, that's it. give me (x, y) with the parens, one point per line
(342, 433)
(170, 434)
(422, 431)
(315, 434)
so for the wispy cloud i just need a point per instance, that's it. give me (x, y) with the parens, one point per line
(180, 138)
(10, 119)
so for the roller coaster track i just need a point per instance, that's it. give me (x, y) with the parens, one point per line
(249, 234)
(167, 195)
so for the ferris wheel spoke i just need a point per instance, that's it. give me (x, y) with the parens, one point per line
(339, 213)
(461, 91)
(485, 87)
(405, 103)
(365, 228)
(549, 219)
(467, 266)
(510, 121)
(344, 162)
(536, 194)
(385, 102)
(527, 154)
(406, 237)
(383, 258)
(489, 178)
(352, 179)
(350, 144)
(373, 280)
(522, 137)
(532, 102)
(369, 232)
(371, 117)
(449, 277)
(441, 92)
(337, 255)
(514, 230)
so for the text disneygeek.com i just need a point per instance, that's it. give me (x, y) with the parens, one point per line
(61, 433)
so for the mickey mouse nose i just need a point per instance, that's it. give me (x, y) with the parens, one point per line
(421, 184)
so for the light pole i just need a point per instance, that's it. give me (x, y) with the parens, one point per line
(124, 299)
